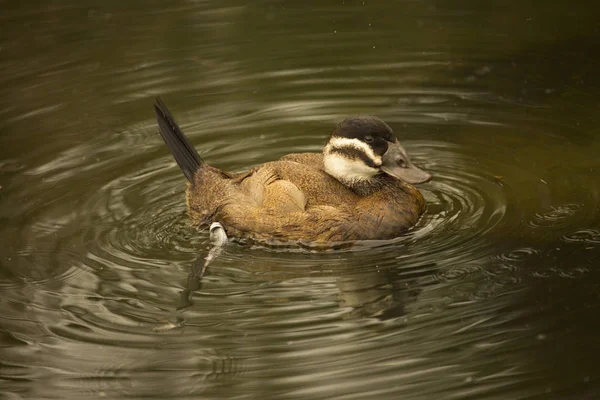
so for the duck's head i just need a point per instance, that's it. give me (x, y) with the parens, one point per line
(361, 148)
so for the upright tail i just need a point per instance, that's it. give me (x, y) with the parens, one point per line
(184, 153)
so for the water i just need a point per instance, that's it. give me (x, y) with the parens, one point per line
(493, 295)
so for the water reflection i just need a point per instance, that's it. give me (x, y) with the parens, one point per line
(492, 295)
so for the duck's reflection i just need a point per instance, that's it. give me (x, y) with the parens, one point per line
(193, 283)
(383, 292)
(218, 240)
(376, 294)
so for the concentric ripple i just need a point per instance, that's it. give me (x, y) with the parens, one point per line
(463, 205)
(134, 237)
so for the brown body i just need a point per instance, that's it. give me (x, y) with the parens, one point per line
(294, 199)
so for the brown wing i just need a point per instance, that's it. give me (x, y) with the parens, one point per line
(269, 192)
(284, 200)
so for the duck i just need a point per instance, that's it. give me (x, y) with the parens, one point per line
(360, 187)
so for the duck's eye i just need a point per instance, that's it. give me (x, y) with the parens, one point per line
(369, 139)
(401, 163)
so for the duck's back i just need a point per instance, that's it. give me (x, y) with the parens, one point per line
(314, 160)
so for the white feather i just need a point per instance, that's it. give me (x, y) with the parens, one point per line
(346, 170)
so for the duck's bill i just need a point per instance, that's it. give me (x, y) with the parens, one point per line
(409, 174)
(396, 163)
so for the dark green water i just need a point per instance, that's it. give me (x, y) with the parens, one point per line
(494, 295)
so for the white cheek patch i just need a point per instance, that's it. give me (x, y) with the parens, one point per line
(347, 170)
(341, 142)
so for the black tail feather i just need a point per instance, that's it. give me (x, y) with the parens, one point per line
(184, 153)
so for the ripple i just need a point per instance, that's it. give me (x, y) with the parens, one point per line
(457, 272)
(586, 236)
(463, 206)
(518, 255)
(555, 216)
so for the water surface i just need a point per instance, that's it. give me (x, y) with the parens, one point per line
(494, 294)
